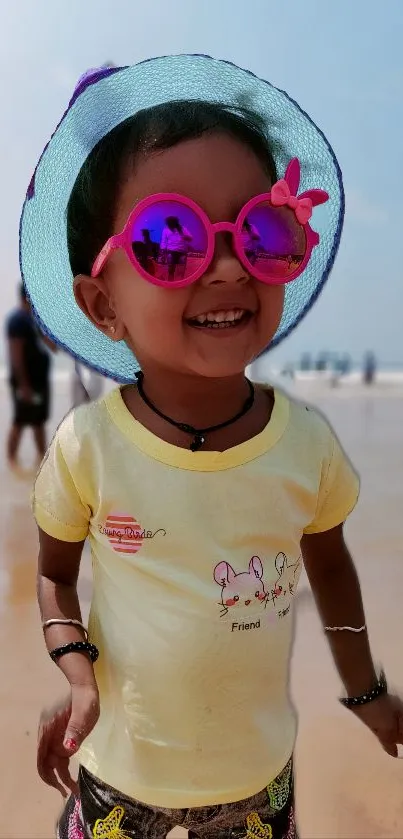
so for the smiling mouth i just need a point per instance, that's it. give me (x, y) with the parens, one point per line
(221, 320)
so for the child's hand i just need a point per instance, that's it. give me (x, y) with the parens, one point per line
(384, 717)
(61, 732)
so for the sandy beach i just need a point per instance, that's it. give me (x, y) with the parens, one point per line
(347, 788)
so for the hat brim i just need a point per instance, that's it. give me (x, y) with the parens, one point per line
(103, 102)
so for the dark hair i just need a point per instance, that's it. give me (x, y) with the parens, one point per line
(92, 203)
(173, 223)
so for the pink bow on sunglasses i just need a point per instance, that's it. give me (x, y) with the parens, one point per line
(170, 240)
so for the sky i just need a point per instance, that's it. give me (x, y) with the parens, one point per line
(342, 61)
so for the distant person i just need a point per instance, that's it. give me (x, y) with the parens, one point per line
(341, 366)
(344, 364)
(369, 368)
(306, 362)
(322, 363)
(250, 237)
(152, 248)
(29, 378)
(288, 372)
(146, 252)
(85, 389)
(175, 243)
(140, 252)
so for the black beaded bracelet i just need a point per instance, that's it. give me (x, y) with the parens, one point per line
(380, 688)
(75, 647)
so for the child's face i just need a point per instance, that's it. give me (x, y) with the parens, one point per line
(221, 174)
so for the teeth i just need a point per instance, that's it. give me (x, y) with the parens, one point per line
(217, 318)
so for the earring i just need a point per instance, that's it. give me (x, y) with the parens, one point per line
(112, 329)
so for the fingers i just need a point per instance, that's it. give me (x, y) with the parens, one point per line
(44, 763)
(389, 747)
(48, 775)
(388, 736)
(399, 713)
(46, 771)
(63, 772)
(84, 715)
(77, 729)
(400, 730)
(53, 768)
(54, 771)
(52, 726)
(394, 735)
(397, 738)
(61, 732)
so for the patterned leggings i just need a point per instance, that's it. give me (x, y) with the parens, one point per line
(102, 812)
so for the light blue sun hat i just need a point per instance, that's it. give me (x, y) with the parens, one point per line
(104, 98)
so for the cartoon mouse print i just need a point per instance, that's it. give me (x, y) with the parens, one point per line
(288, 575)
(240, 590)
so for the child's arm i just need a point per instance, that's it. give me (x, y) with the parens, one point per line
(64, 732)
(337, 593)
(58, 568)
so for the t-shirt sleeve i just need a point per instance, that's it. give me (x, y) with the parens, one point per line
(58, 504)
(338, 493)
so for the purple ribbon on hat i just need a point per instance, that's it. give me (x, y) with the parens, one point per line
(94, 74)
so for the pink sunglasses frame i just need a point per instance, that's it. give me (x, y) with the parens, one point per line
(282, 193)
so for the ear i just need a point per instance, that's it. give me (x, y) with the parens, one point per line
(281, 561)
(93, 298)
(224, 574)
(256, 567)
(293, 175)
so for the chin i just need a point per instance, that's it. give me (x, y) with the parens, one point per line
(221, 368)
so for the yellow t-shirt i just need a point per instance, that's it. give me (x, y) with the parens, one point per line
(196, 559)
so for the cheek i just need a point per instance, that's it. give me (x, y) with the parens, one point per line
(152, 316)
(271, 308)
(230, 602)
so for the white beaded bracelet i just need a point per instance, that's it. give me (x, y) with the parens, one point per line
(67, 622)
(345, 628)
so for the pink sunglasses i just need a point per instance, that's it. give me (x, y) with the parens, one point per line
(170, 240)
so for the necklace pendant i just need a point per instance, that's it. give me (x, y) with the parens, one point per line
(198, 436)
(197, 442)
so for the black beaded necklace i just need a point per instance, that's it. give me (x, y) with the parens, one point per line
(198, 434)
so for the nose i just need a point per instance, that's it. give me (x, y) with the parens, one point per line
(225, 267)
(247, 602)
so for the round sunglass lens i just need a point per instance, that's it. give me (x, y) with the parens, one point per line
(169, 241)
(273, 240)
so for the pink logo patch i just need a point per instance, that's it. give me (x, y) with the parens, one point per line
(124, 533)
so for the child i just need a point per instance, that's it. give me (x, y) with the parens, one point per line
(201, 493)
